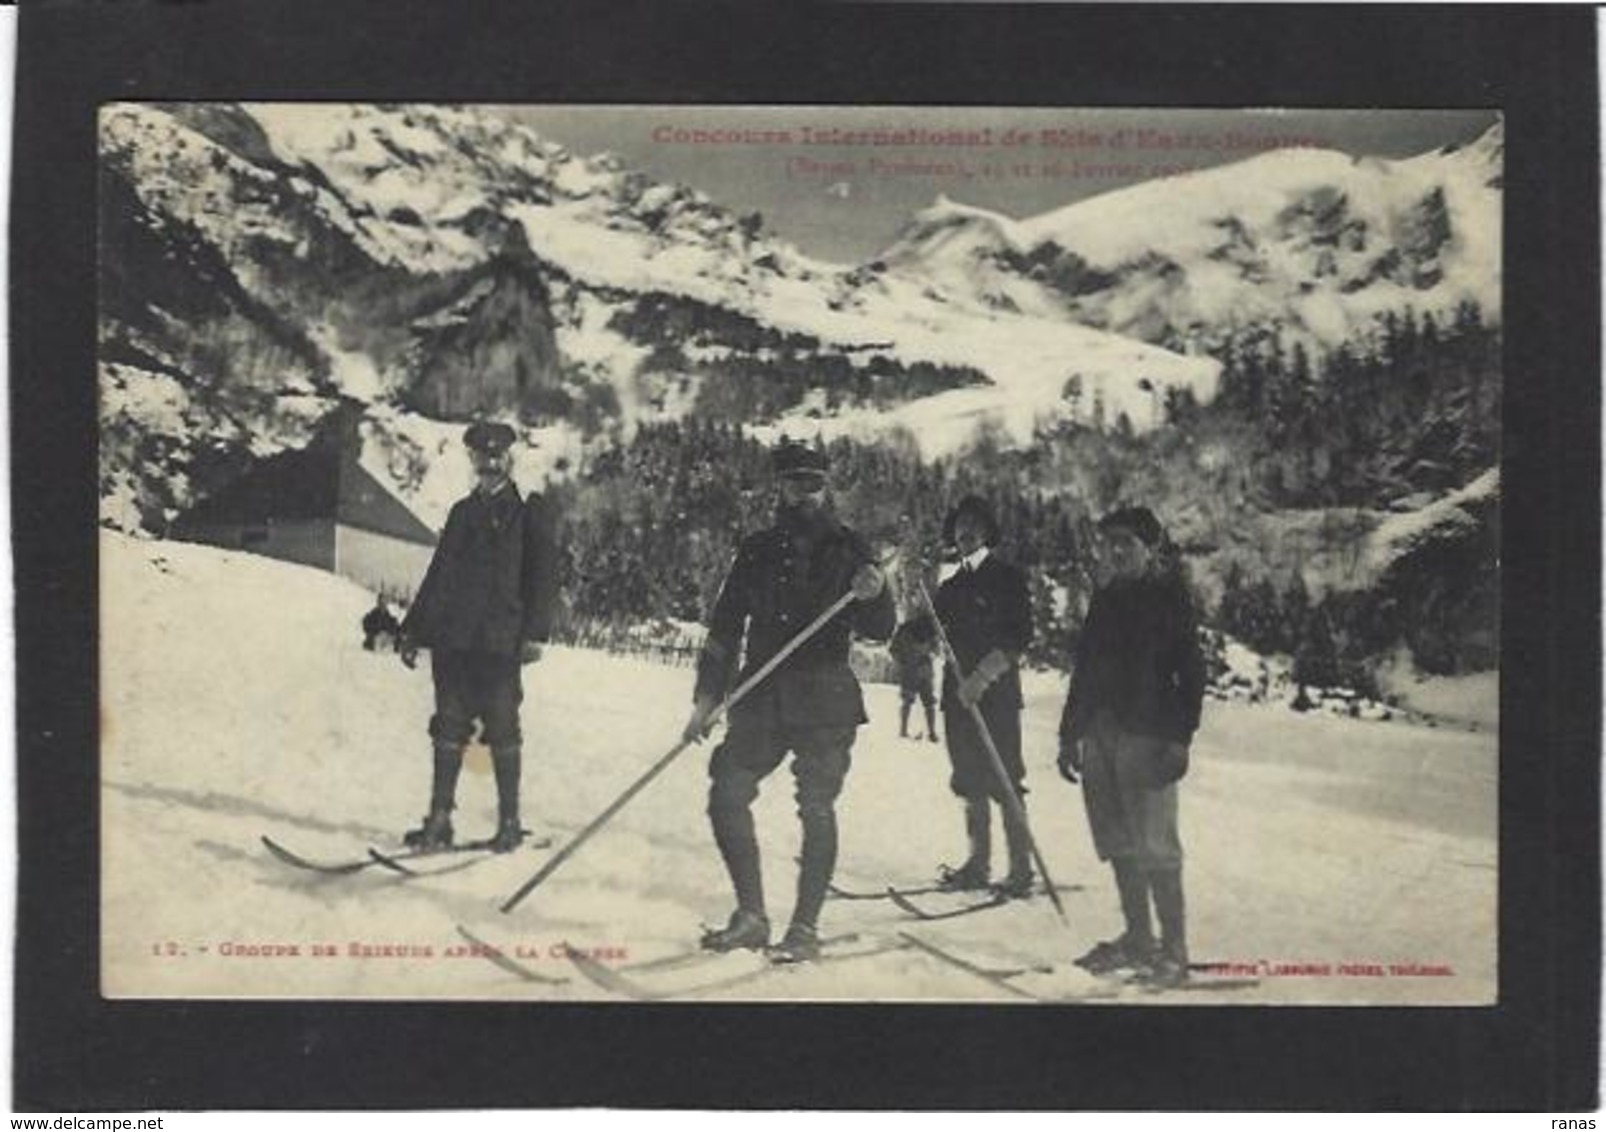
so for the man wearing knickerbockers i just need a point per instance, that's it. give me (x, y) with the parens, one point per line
(1134, 702)
(483, 609)
(810, 707)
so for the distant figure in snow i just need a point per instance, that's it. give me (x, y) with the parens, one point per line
(810, 706)
(987, 616)
(483, 610)
(913, 648)
(379, 626)
(1137, 686)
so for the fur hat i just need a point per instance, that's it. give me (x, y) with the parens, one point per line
(978, 507)
(1139, 520)
(492, 437)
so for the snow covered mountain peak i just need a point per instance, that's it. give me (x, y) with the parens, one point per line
(1486, 155)
(1312, 243)
(947, 233)
(263, 262)
(446, 261)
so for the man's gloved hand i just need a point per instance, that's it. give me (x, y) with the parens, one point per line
(529, 652)
(407, 650)
(698, 726)
(974, 686)
(868, 582)
(1170, 763)
(1070, 760)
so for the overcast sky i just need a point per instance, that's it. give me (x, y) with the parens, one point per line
(845, 202)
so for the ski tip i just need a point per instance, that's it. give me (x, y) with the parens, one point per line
(300, 862)
(281, 852)
(276, 849)
(507, 963)
(606, 978)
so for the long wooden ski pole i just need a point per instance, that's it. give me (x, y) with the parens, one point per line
(1011, 800)
(657, 768)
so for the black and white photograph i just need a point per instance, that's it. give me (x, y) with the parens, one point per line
(925, 557)
(800, 553)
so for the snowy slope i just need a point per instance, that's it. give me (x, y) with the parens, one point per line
(1027, 359)
(321, 212)
(428, 191)
(1352, 549)
(1454, 516)
(1314, 241)
(1311, 841)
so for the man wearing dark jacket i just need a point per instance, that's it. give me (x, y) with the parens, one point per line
(1136, 691)
(985, 611)
(483, 609)
(782, 579)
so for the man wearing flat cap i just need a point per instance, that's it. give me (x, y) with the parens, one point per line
(483, 609)
(1136, 690)
(987, 615)
(810, 706)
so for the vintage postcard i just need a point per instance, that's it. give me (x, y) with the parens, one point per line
(461, 465)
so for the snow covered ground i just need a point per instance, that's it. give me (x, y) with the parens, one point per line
(238, 702)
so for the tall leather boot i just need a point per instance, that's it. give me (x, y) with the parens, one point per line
(506, 763)
(1171, 967)
(749, 926)
(903, 719)
(931, 720)
(1018, 838)
(436, 830)
(977, 869)
(816, 863)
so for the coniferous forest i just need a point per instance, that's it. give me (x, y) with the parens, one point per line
(1285, 473)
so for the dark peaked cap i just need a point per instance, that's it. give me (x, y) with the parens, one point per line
(489, 436)
(790, 458)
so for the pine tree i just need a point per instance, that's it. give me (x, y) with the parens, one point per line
(1316, 661)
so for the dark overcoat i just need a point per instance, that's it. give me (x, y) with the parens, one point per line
(492, 583)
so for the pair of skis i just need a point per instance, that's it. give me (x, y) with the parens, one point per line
(1111, 986)
(1107, 987)
(397, 862)
(636, 981)
(642, 982)
(909, 900)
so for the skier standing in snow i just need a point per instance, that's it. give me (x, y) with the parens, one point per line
(913, 647)
(810, 706)
(1136, 691)
(483, 609)
(987, 616)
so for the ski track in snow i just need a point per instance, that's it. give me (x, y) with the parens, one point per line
(237, 702)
